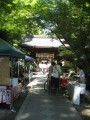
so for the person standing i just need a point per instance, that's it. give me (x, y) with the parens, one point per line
(56, 77)
(50, 71)
(81, 74)
(41, 67)
(30, 67)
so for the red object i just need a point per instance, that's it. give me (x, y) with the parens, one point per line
(63, 81)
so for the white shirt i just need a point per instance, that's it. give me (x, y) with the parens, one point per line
(81, 74)
(56, 71)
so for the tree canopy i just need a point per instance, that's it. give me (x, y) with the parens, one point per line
(16, 19)
(68, 19)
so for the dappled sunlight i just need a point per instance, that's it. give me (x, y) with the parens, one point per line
(38, 88)
(38, 75)
(86, 111)
(36, 82)
(72, 109)
(47, 101)
(33, 83)
(65, 115)
(24, 116)
(44, 106)
(35, 91)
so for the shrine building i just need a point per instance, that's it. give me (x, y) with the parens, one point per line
(41, 47)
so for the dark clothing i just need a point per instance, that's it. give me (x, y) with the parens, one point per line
(55, 82)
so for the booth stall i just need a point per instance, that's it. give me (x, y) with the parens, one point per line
(75, 91)
(8, 54)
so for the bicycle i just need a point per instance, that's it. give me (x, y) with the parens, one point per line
(46, 85)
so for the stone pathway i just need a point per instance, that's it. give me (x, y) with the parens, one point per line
(39, 105)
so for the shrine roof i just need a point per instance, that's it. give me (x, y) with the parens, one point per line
(41, 42)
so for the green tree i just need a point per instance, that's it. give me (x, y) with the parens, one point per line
(68, 19)
(16, 19)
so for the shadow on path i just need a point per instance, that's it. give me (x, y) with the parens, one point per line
(39, 105)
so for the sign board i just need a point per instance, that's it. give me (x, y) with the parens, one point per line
(4, 71)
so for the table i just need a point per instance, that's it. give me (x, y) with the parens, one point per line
(75, 90)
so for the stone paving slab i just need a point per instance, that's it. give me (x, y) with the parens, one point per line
(39, 105)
